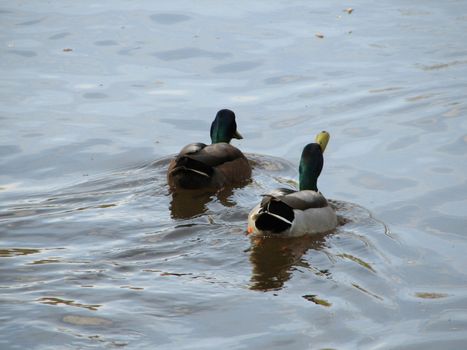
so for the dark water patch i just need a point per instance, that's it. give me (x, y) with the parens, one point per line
(59, 36)
(32, 22)
(129, 51)
(236, 67)
(95, 95)
(189, 52)
(9, 150)
(106, 43)
(442, 170)
(169, 18)
(287, 79)
(22, 53)
(456, 148)
(33, 134)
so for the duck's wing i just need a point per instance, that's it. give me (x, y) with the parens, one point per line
(211, 155)
(300, 200)
(199, 165)
(278, 209)
(192, 148)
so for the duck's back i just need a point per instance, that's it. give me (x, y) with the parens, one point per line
(200, 166)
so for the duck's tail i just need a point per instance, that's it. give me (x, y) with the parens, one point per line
(190, 173)
(274, 216)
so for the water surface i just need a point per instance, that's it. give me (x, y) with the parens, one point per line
(96, 252)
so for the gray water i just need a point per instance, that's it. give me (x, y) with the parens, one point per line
(96, 97)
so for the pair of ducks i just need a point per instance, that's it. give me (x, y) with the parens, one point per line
(282, 212)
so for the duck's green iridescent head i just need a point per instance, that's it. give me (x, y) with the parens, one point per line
(224, 127)
(311, 162)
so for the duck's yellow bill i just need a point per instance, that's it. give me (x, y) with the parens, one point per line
(322, 139)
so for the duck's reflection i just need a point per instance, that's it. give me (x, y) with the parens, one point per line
(190, 203)
(274, 259)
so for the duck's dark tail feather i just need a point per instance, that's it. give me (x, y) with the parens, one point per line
(274, 216)
(190, 173)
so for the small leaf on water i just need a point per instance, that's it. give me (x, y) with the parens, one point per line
(316, 300)
(426, 295)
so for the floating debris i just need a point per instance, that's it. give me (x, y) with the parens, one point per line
(349, 10)
(174, 274)
(313, 298)
(319, 35)
(86, 321)
(425, 295)
(357, 260)
(67, 50)
(10, 252)
(59, 301)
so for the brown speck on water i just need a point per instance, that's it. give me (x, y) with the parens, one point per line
(319, 35)
(349, 10)
(67, 50)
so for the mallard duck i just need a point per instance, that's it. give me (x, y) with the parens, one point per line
(289, 213)
(201, 166)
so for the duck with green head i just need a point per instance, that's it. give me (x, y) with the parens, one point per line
(214, 166)
(288, 213)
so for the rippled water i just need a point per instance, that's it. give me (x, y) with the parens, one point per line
(96, 252)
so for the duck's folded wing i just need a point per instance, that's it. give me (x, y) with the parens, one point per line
(192, 148)
(214, 155)
(301, 200)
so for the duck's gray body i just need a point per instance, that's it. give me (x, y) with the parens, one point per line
(290, 213)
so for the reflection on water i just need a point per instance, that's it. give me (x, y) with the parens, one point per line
(187, 204)
(17, 251)
(164, 253)
(273, 259)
